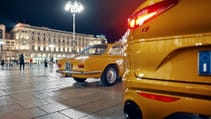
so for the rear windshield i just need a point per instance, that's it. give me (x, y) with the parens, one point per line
(93, 50)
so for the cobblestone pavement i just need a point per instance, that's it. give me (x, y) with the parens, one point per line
(40, 93)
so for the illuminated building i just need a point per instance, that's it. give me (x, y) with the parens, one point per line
(39, 43)
(2, 37)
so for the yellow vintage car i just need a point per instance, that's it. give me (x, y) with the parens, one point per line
(104, 61)
(168, 60)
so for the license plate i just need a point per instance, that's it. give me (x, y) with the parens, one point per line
(204, 61)
(68, 66)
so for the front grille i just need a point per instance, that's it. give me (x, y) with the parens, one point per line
(68, 66)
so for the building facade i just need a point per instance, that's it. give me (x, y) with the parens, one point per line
(2, 37)
(8, 51)
(39, 43)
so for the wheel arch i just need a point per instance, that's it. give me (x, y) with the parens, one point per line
(116, 67)
(130, 105)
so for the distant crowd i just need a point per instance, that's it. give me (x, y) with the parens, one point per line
(21, 62)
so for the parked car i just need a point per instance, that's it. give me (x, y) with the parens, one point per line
(104, 61)
(169, 60)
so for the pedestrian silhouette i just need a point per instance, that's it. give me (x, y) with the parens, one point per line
(31, 62)
(21, 60)
(46, 63)
(2, 63)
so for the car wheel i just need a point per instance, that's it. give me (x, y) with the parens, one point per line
(132, 111)
(79, 79)
(109, 76)
(64, 75)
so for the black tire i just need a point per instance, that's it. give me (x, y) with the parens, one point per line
(79, 79)
(132, 111)
(109, 76)
(64, 75)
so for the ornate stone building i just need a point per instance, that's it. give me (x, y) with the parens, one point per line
(39, 43)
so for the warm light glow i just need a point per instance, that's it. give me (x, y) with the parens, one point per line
(145, 14)
(74, 7)
(131, 22)
(19, 25)
(35, 48)
(134, 22)
(27, 37)
(24, 47)
(158, 97)
(141, 19)
(51, 45)
(17, 36)
(198, 44)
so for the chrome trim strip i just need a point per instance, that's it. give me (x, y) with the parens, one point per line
(78, 72)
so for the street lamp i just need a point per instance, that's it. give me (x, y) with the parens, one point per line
(74, 7)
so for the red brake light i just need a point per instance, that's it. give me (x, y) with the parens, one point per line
(158, 97)
(80, 65)
(149, 12)
(59, 65)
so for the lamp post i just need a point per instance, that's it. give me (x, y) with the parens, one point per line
(74, 7)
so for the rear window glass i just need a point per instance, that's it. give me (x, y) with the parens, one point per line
(94, 50)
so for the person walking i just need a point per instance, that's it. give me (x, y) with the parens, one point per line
(2, 64)
(30, 62)
(21, 60)
(45, 63)
(51, 62)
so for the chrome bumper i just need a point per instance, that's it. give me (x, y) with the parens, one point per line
(78, 72)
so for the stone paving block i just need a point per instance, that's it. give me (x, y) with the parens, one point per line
(69, 94)
(23, 96)
(54, 107)
(109, 113)
(53, 116)
(41, 96)
(3, 86)
(23, 114)
(52, 100)
(32, 103)
(18, 90)
(2, 93)
(95, 106)
(73, 113)
(10, 108)
(46, 89)
(7, 100)
(35, 112)
(75, 102)
(51, 93)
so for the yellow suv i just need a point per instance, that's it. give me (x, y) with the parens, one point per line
(168, 56)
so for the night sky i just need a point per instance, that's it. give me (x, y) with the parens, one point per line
(107, 17)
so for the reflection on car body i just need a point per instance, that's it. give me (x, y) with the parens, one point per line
(103, 61)
(168, 75)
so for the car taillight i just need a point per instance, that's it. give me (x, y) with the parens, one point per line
(149, 12)
(157, 97)
(59, 65)
(80, 65)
